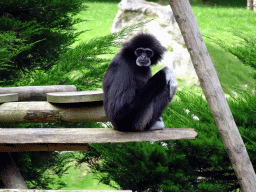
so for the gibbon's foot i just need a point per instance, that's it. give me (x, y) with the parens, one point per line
(158, 125)
(171, 80)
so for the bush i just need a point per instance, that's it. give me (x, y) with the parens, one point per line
(34, 34)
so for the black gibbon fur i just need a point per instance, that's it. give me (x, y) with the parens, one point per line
(133, 99)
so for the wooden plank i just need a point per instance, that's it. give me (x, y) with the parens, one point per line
(44, 147)
(36, 93)
(214, 94)
(88, 135)
(43, 111)
(75, 97)
(8, 97)
(38, 190)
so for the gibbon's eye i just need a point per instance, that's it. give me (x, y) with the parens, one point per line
(139, 52)
(149, 52)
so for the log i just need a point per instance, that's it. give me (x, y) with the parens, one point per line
(13, 137)
(4, 98)
(43, 111)
(75, 97)
(36, 93)
(10, 173)
(214, 94)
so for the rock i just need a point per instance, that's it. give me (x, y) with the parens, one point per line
(162, 24)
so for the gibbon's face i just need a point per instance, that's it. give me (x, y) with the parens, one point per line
(143, 56)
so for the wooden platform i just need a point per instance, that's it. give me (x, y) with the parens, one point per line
(64, 139)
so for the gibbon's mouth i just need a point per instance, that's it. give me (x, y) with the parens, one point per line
(143, 63)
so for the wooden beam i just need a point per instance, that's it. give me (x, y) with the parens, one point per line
(75, 97)
(36, 93)
(12, 138)
(214, 94)
(43, 111)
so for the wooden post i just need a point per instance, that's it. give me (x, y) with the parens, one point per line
(10, 174)
(214, 94)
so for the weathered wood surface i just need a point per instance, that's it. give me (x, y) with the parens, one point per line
(214, 94)
(44, 147)
(36, 93)
(8, 97)
(38, 190)
(75, 97)
(10, 174)
(85, 135)
(43, 111)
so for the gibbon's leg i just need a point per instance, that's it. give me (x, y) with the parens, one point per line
(171, 88)
(152, 100)
(158, 124)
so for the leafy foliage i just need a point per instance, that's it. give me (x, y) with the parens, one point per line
(244, 49)
(34, 33)
(84, 66)
(33, 166)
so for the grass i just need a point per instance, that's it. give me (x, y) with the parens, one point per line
(216, 22)
(79, 178)
(99, 16)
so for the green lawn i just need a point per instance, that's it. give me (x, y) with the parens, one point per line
(99, 16)
(217, 22)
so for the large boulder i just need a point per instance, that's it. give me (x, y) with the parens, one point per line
(162, 24)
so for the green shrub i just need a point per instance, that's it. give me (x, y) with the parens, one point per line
(34, 34)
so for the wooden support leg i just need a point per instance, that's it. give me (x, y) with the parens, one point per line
(10, 174)
(214, 94)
